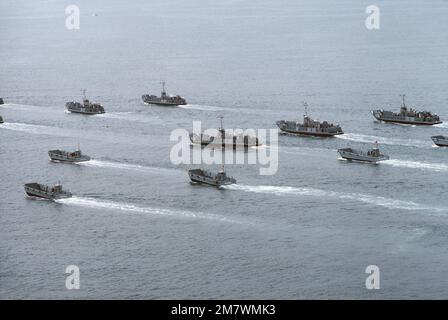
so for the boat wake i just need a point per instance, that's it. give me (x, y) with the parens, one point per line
(74, 133)
(417, 165)
(127, 116)
(382, 140)
(125, 166)
(36, 129)
(110, 205)
(318, 193)
(15, 106)
(294, 149)
(442, 125)
(201, 107)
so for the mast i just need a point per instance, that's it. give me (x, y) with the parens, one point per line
(402, 98)
(223, 149)
(84, 94)
(163, 88)
(221, 127)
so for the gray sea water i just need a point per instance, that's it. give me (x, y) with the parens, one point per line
(137, 228)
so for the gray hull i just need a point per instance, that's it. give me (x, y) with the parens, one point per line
(388, 116)
(85, 108)
(440, 141)
(82, 111)
(228, 141)
(169, 101)
(316, 130)
(159, 103)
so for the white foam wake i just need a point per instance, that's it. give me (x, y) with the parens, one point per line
(15, 106)
(382, 140)
(442, 125)
(110, 205)
(201, 107)
(35, 129)
(294, 149)
(369, 199)
(417, 165)
(125, 166)
(127, 116)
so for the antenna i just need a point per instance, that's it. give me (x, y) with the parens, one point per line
(306, 108)
(223, 137)
(221, 117)
(402, 98)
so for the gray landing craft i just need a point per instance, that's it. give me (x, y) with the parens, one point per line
(309, 127)
(373, 155)
(224, 139)
(441, 141)
(37, 190)
(86, 107)
(210, 178)
(407, 116)
(65, 156)
(164, 99)
(213, 179)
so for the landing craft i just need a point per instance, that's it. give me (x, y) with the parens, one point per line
(86, 107)
(34, 189)
(309, 127)
(224, 139)
(164, 99)
(214, 179)
(441, 141)
(66, 156)
(407, 116)
(373, 155)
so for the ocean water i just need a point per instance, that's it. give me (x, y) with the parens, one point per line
(137, 228)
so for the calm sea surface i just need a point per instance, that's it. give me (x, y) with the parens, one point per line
(138, 229)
